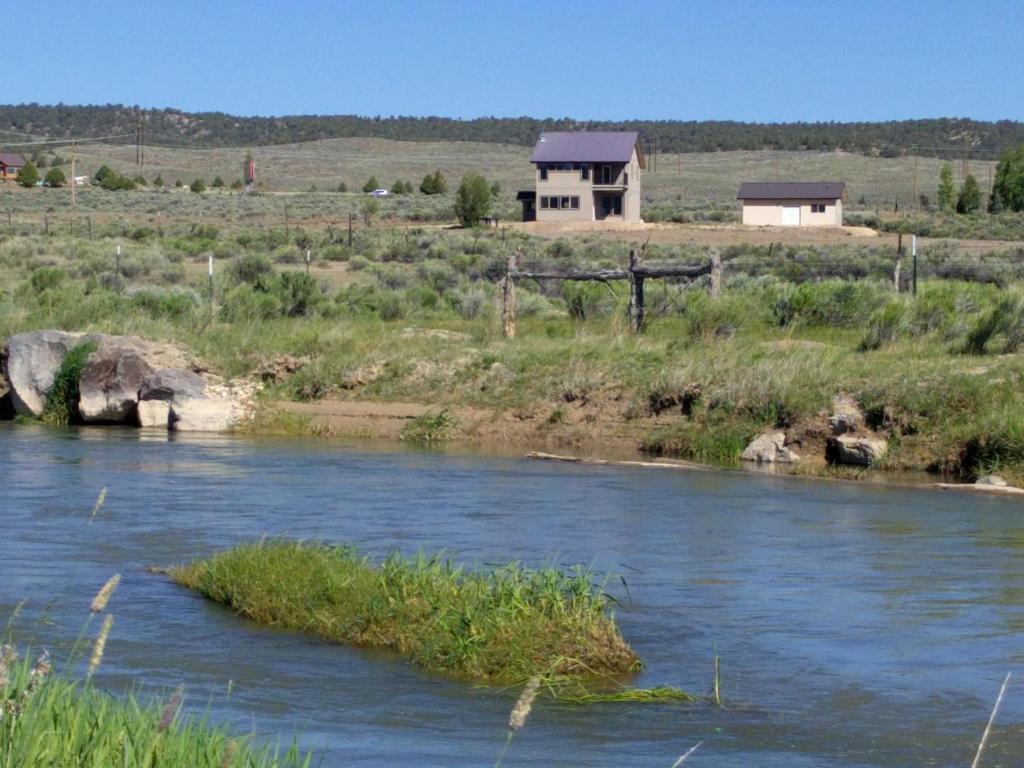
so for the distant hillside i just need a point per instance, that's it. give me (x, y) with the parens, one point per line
(214, 129)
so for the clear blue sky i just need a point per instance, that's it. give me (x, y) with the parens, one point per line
(766, 61)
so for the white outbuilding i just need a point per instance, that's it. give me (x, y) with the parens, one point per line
(793, 203)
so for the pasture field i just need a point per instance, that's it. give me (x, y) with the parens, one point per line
(692, 182)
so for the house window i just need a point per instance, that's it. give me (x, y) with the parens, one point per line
(585, 172)
(574, 203)
(544, 201)
(606, 174)
(565, 202)
(554, 203)
(817, 207)
(543, 170)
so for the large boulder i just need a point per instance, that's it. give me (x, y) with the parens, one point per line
(204, 414)
(32, 361)
(171, 383)
(769, 448)
(864, 451)
(114, 373)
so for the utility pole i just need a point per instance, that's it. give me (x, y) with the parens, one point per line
(74, 148)
(913, 253)
(917, 197)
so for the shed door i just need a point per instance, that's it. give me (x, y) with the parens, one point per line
(791, 215)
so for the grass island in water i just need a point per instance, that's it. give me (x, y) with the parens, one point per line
(497, 626)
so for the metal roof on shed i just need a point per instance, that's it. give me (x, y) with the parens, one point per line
(11, 158)
(586, 147)
(791, 190)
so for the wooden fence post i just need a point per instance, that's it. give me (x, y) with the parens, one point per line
(636, 294)
(508, 298)
(715, 290)
(896, 274)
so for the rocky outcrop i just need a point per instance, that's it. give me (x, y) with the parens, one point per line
(848, 449)
(124, 380)
(32, 361)
(114, 373)
(846, 416)
(769, 448)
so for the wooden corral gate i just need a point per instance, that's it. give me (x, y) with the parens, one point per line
(636, 273)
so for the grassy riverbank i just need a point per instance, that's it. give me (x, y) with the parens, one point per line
(496, 626)
(47, 719)
(410, 318)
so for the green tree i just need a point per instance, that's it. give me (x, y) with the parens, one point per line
(218, 182)
(55, 178)
(440, 184)
(371, 184)
(495, 189)
(408, 188)
(947, 189)
(342, 186)
(1008, 185)
(427, 185)
(28, 175)
(158, 181)
(969, 200)
(198, 186)
(473, 199)
(398, 188)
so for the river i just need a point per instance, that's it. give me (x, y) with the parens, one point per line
(858, 625)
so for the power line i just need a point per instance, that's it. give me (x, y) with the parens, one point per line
(70, 140)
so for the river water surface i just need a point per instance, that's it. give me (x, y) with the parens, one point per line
(858, 625)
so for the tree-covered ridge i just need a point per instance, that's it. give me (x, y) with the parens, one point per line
(171, 126)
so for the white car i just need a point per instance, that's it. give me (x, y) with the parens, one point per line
(380, 193)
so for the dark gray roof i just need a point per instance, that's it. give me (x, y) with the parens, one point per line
(586, 147)
(526, 194)
(791, 190)
(11, 158)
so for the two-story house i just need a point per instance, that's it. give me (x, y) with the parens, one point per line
(586, 176)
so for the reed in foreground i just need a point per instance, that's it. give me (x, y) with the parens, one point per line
(496, 626)
(49, 720)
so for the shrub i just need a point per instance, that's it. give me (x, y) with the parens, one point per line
(55, 178)
(198, 186)
(472, 200)
(298, 293)
(371, 184)
(342, 186)
(251, 268)
(47, 278)
(583, 300)
(245, 304)
(28, 175)
(885, 325)
(218, 182)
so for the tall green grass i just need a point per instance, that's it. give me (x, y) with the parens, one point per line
(61, 405)
(499, 626)
(48, 719)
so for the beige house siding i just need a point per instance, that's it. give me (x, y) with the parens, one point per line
(768, 213)
(571, 184)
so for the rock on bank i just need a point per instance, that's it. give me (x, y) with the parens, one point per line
(125, 380)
